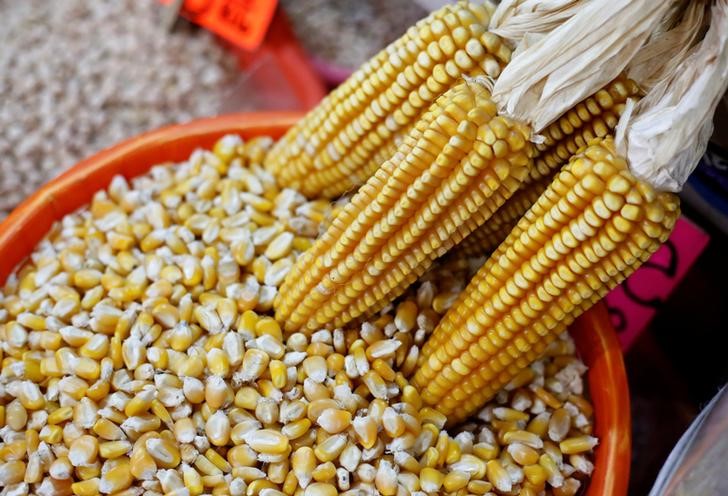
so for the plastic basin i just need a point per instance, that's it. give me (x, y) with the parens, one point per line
(31, 220)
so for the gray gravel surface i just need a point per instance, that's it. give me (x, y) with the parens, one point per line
(348, 32)
(77, 76)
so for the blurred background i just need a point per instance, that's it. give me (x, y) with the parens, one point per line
(77, 76)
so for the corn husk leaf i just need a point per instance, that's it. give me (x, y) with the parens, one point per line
(666, 133)
(667, 49)
(575, 59)
(513, 19)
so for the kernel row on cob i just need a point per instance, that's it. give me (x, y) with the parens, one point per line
(379, 242)
(593, 226)
(595, 117)
(485, 239)
(139, 357)
(604, 214)
(453, 171)
(337, 146)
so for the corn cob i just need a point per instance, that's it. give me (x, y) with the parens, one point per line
(595, 224)
(450, 174)
(595, 117)
(340, 143)
(424, 200)
(380, 224)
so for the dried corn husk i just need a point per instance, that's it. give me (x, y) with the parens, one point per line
(514, 19)
(575, 59)
(664, 136)
(667, 48)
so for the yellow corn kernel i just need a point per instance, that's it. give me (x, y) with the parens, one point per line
(49, 367)
(87, 368)
(217, 428)
(83, 451)
(34, 322)
(269, 326)
(32, 441)
(384, 370)
(551, 470)
(98, 390)
(141, 402)
(247, 397)
(50, 434)
(88, 487)
(278, 373)
(547, 397)
(324, 472)
(60, 415)
(14, 450)
(432, 416)
(30, 396)
(498, 476)
(31, 368)
(331, 448)
(117, 478)
(365, 429)
(333, 420)
(455, 480)
(241, 456)
(192, 480)
(578, 444)
(522, 454)
(268, 441)
(479, 487)
(206, 467)
(256, 487)
(218, 460)
(114, 449)
(296, 429)
(290, 484)
(164, 452)
(161, 412)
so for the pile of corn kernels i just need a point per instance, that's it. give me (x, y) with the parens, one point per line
(139, 356)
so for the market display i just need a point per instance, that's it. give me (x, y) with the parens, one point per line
(79, 76)
(279, 318)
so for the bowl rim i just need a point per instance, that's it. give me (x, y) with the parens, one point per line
(595, 337)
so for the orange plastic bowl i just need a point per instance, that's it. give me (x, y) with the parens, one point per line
(26, 226)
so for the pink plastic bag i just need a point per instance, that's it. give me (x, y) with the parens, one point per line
(633, 304)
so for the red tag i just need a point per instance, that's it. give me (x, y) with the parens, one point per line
(242, 22)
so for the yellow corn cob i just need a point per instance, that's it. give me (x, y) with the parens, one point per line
(455, 169)
(338, 145)
(594, 225)
(399, 222)
(594, 117)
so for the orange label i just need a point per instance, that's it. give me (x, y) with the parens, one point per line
(242, 22)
